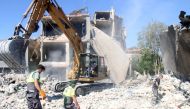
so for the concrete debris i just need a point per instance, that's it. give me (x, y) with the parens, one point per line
(134, 92)
(130, 94)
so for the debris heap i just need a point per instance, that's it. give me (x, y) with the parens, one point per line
(137, 94)
(130, 94)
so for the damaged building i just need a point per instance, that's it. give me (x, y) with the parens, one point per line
(54, 50)
(111, 24)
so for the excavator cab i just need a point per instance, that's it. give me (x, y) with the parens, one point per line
(92, 67)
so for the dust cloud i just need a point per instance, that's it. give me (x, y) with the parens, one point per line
(115, 57)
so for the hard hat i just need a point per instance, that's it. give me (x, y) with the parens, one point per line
(72, 83)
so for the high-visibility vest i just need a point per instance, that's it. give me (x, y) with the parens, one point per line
(69, 91)
(30, 78)
(81, 73)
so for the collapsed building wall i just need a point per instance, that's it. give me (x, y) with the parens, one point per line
(112, 25)
(134, 55)
(54, 50)
(56, 55)
(176, 51)
(83, 26)
(103, 21)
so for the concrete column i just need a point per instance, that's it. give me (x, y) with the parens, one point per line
(67, 53)
(69, 57)
(87, 37)
(113, 22)
(130, 67)
(87, 28)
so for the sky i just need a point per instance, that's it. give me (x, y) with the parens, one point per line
(136, 13)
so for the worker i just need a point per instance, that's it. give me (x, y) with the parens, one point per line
(34, 89)
(155, 86)
(94, 69)
(93, 72)
(70, 101)
(87, 72)
(81, 72)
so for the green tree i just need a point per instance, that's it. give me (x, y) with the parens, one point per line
(149, 42)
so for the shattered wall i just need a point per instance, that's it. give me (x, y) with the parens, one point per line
(175, 48)
(56, 55)
(111, 24)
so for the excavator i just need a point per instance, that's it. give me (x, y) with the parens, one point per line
(13, 53)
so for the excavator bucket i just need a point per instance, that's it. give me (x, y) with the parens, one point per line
(12, 52)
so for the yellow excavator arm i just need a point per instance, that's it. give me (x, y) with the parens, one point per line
(37, 9)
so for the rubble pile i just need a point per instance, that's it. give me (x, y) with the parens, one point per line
(131, 94)
(13, 93)
(137, 94)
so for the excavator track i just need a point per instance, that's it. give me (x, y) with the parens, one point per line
(59, 87)
(84, 88)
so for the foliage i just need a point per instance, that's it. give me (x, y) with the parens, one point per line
(149, 36)
(148, 41)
